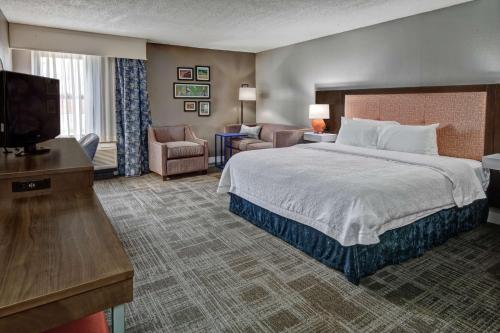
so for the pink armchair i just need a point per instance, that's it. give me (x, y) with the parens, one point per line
(175, 150)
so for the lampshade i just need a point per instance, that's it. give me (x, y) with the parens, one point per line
(247, 94)
(319, 111)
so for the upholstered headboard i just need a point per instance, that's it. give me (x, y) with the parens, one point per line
(469, 114)
(461, 115)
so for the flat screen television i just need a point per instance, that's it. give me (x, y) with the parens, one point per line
(29, 111)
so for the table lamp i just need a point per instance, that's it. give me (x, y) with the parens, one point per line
(246, 94)
(318, 112)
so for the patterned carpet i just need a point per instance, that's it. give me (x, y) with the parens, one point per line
(199, 268)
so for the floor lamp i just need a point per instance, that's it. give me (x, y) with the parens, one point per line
(246, 94)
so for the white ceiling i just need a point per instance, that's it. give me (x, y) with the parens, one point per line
(237, 25)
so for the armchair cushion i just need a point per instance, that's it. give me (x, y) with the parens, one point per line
(182, 149)
(169, 133)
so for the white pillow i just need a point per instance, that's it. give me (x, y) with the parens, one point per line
(250, 131)
(410, 139)
(360, 132)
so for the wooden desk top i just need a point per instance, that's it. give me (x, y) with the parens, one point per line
(56, 246)
(65, 155)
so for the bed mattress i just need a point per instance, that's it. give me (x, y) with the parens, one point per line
(351, 194)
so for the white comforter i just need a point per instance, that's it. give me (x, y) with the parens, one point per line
(349, 193)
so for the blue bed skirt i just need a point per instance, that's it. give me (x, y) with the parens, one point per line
(357, 261)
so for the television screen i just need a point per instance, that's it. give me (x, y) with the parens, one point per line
(30, 109)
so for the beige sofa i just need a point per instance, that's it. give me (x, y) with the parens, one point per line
(175, 150)
(271, 136)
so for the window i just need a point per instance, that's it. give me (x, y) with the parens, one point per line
(86, 86)
(69, 70)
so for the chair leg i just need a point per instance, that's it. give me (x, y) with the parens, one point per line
(165, 178)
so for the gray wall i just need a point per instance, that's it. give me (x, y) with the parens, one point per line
(228, 70)
(455, 45)
(21, 61)
(5, 54)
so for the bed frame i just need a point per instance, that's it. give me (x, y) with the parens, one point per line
(469, 118)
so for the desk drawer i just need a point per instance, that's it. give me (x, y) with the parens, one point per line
(37, 185)
(31, 185)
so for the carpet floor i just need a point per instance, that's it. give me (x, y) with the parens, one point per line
(199, 268)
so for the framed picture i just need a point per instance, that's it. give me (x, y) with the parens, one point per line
(191, 90)
(189, 106)
(204, 108)
(185, 73)
(202, 73)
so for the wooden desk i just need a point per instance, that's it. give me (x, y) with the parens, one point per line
(66, 165)
(60, 258)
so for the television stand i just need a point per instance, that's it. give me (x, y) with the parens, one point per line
(32, 150)
(60, 258)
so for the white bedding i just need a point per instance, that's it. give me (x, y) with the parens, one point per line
(481, 173)
(351, 194)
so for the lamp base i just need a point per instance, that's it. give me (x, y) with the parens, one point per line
(318, 125)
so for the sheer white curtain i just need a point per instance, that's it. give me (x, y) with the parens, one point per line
(108, 111)
(87, 91)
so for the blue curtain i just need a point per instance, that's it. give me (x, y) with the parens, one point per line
(132, 117)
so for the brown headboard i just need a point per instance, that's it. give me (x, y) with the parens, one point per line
(466, 113)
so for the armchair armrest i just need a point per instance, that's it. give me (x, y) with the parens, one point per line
(190, 136)
(157, 157)
(287, 138)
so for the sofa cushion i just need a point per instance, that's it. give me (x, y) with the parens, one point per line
(243, 143)
(260, 145)
(251, 131)
(180, 149)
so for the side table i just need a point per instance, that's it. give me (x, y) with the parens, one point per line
(319, 137)
(223, 141)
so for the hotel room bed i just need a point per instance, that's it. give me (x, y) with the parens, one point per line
(359, 209)
(356, 209)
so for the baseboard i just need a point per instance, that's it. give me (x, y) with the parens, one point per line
(494, 216)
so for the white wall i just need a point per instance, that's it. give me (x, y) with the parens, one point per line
(5, 53)
(455, 45)
(31, 37)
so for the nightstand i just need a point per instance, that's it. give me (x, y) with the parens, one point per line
(319, 137)
(491, 162)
